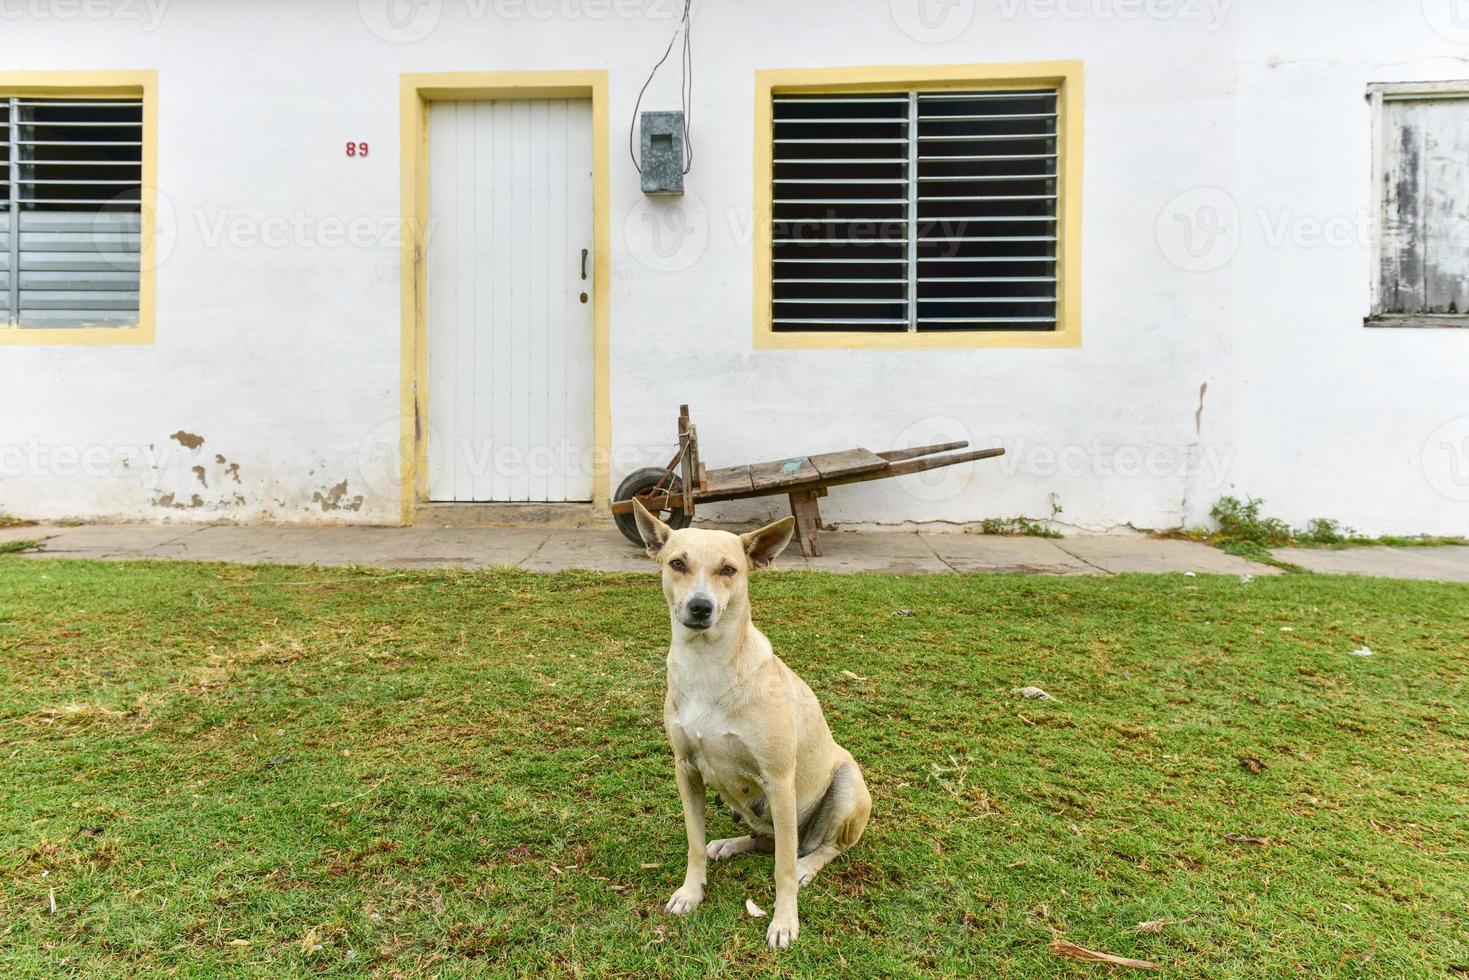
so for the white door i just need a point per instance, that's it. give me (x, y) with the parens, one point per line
(510, 346)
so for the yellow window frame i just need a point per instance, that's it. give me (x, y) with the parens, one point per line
(140, 84)
(1065, 76)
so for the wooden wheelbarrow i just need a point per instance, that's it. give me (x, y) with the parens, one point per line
(673, 491)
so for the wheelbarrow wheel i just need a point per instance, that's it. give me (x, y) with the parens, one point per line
(638, 484)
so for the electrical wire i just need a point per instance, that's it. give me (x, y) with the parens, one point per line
(685, 91)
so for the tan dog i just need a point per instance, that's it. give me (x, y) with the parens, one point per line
(743, 723)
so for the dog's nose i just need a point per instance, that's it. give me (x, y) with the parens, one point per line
(700, 608)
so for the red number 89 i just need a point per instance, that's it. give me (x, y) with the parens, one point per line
(356, 149)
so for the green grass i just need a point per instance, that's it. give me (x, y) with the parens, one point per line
(17, 546)
(1017, 527)
(268, 771)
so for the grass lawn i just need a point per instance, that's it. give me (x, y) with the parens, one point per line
(276, 771)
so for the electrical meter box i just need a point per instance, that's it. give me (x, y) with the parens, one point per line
(662, 152)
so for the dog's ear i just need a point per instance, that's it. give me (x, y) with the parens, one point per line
(763, 545)
(653, 531)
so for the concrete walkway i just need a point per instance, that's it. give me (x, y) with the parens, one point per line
(546, 549)
(1449, 563)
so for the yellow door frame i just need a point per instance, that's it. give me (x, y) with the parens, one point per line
(416, 91)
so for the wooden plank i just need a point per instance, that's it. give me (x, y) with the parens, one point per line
(687, 476)
(846, 462)
(537, 244)
(503, 243)
(1401, 285)
(730, 480)
(443, 306)
(558, 252)
(1430, 321)
(477, 216)
(782, 473)
(466, 284)
(808, 522)
(519, 271)
(581, 358)
(1446, 207)
(816, 485)
(897, 455)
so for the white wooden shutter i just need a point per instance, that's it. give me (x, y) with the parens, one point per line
(73, 223)
(1423, 219)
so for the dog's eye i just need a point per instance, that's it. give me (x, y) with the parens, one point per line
(678, 565)
(728, 570)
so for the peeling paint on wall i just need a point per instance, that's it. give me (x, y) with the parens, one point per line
(199, 472)
(169, 500)
(231, 470)
(1199, 412)
(187, 439)
(335, 499)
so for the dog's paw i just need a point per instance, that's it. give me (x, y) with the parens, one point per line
(685, 900)
(782, 932)
(717, 850)
(805, 871)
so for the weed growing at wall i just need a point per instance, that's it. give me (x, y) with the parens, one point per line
(1242, 529)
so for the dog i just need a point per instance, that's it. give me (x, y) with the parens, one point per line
(741, 721)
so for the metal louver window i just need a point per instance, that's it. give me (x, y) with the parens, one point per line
(915, 211)
(70, 235)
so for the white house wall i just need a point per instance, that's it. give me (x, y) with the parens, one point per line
(1205, 368)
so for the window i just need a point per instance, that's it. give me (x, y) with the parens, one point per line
(936, 213)
(75, 257)
(1422, 240)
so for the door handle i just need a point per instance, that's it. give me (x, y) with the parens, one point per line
(583, 263)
